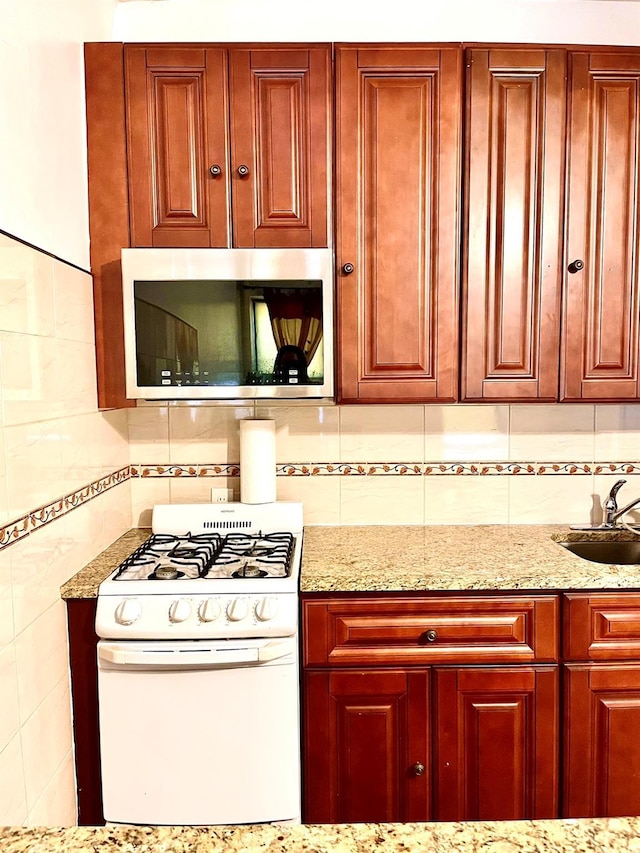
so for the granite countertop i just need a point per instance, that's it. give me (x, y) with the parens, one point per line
(436, 558)
(607, 835)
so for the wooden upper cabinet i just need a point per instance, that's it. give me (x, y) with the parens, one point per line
(600, 320)
(228, 147)
(511, 278)
(398, 141)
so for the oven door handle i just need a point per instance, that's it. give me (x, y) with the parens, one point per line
(176, 658)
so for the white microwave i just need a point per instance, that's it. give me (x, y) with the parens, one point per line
(228, 323)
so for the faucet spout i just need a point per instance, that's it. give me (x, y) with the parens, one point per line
(610, 506)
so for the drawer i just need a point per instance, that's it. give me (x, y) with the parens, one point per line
(602, 626)
(420, 630)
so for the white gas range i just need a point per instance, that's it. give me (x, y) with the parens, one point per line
(198, 681)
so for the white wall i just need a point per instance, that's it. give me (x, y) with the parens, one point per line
(53, 441)
(549, 21)
(43, 163)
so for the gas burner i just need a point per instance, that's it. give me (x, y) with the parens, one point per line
(165, 573)
(249, 571)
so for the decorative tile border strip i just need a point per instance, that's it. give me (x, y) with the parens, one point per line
(208, 470)
(22, 527)
(17, 530)
(382, 469)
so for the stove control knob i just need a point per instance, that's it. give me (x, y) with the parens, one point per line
(128, 611)
(266, 609)
(180, 610)
(238, 610)
(209, 610)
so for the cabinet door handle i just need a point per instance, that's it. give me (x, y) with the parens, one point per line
(418, 769)
(347, 269)
(243, 170)
(575, 266)
(431, 635)
(215, 170)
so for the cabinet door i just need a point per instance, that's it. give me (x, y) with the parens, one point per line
(512, 269)
(397, 205)
(602, 748)
(177, 126)
(279, 134)
(496, 743)
(366, 746)
(600, 320)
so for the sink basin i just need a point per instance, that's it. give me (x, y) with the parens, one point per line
(622, 553)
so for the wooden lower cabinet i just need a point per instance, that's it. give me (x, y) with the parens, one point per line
(367, 746)
(602, 748)
(496, 743)
(440, 743)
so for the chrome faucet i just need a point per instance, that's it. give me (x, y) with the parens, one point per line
(610, 506)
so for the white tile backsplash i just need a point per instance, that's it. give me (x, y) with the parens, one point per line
(550, 500)
(381, 434)
(205, 433)
(10, 716)
(13, 802)
(617, 432)
(29, 376)
(466, 500)
(466, 433)
(305, 433)
(148, 435)
(552, 433)
(73, 295)
(46, 741)
(382, 500)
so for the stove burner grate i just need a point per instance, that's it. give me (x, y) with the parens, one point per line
(210, 555)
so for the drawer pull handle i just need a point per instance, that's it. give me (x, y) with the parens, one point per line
(431, 635)
(418, 769)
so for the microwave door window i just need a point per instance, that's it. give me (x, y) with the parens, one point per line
(228, 333)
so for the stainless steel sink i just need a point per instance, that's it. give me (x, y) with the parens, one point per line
(622, 553)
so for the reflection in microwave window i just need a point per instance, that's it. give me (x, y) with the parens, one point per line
(229, 332)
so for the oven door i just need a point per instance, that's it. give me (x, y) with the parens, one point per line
(203, 732)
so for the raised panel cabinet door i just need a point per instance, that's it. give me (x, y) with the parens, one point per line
(512, 267)
(366, 746)
(602, 748)
(496, 743)
(398, 163)
(600, 318)
(177, 126)
(280, 174)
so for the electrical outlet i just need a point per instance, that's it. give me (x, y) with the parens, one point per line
(221, 496)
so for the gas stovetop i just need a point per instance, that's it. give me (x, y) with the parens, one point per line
(245, 556)
(208, 570)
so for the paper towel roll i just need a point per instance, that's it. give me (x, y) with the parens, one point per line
(257, 461)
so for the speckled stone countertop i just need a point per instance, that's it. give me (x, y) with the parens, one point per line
(560, 836)
(403, 559)
(485, 557)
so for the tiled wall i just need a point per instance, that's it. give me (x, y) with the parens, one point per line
(53, 445)
(458, 464)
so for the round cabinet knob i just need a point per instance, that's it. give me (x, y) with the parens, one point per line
(128, 611)
(209, 610)
(180, 610)
(347, 269)
(243, 170)
(431, 636)
(215, 170)
(266, 609)
(418, 769)
(238, 610)
(575, 266)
